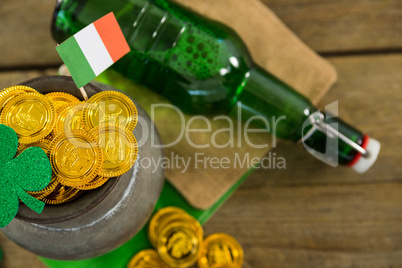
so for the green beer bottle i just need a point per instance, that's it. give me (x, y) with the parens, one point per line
(203, 67)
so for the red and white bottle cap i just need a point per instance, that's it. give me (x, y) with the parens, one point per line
(363, 163)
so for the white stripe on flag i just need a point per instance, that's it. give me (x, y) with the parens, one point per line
(93, 48)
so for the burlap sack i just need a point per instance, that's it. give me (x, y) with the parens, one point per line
(203, 175)
(274, 47)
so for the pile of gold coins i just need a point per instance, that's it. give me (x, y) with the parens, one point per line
(86, 142)
(178, 240)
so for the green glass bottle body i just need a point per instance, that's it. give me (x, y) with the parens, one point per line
(200, 65)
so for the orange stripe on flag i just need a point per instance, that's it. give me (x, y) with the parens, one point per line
(112, 36)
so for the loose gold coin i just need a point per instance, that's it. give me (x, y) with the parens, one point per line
(221, 250)
(60, 194)
(110, 107)
(61, 99)
(159, 220)
(184, 219)
(119, 147)
(76, 158)
(69, 118)
(168, 216)
(95, 183)
(31, 115)
(148, 258)
(179, 244)
(10, 92)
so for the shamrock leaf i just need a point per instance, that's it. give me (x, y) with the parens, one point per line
(29, 171)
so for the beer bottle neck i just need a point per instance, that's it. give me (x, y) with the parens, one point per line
(292, 117)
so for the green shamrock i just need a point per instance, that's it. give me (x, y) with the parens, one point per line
(29, 171)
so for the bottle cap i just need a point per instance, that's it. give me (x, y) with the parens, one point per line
(362, 163)
(366, 152)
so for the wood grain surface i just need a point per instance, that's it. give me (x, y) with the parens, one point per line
(25, 34)
(312, 215)
(343, 26)
(327, 26)
(309, 215)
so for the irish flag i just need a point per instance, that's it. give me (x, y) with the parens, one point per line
(93, 49)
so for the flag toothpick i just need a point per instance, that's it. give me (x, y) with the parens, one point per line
(84, 93)
(93, 49)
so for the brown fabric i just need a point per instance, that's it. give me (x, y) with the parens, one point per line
(275, 48)
(272, 45)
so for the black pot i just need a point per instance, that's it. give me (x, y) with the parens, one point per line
(101, 219)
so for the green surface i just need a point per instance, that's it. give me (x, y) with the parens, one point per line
(169, 196)
(121, 256)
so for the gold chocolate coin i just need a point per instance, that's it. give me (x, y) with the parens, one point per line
(60, 194)
(95, 183)
(69, 118)
(148, 258)
(119, 147)
(61, 99)
(47, 190)
(221, 250)
(158, 220)
(51, 136)
(43, 144)
(76, 158)
(10, 92)
(184, 219)
(168, 216)
(110, 107)
(179, 244)
(31, 115)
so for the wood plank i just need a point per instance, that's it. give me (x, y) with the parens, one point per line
(25, 33)
(312, 215)
(15, 256)
(11, 78)
(326, 26)
(340, 26)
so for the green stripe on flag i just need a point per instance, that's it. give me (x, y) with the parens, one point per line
(72, 55)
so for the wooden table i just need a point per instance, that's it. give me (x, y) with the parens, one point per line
(309, 215)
